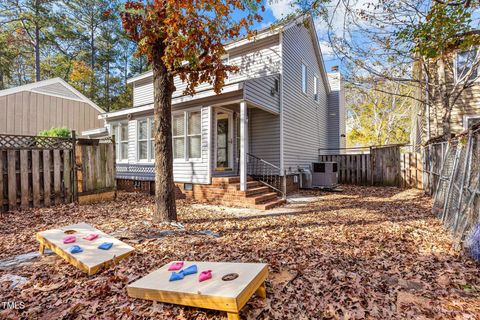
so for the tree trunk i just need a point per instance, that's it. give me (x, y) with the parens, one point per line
(163, 86)
(92, 60)
(444, 98)
(107, 86)
(37, 54)
(2, 81)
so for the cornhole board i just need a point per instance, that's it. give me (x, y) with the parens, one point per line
(215, 293)
(92, 259)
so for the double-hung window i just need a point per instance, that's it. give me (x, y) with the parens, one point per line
(463, 64)
(120, 134)
(471, 120)
(315, 88)
(304, 78)
(187, 135)
(145, 140)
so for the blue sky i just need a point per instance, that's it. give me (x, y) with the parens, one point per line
(276, 8)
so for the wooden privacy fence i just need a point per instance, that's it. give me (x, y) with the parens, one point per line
(95, 170)
(382, 165)
(40, 171)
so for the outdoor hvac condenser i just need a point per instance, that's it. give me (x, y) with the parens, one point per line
(325, 174)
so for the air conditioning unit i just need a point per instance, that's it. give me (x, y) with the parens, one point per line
(325, 174)
(305, 179)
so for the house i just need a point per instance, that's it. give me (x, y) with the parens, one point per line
(269, 121)
(466, 109)
(28, 109)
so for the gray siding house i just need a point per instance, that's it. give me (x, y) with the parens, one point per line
(281, 108)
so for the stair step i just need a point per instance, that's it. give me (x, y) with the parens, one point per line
(270, 205)
(258, 199)
(257, 190)
(250, 184)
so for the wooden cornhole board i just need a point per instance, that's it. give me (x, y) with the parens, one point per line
(92, 259)
(216, 294)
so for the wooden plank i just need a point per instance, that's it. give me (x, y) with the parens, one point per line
(358, 168)
(1, 180)
(12, 179)
(57, 176)
(47, 178)
(348, 169)
(90, 168)
(24, 183)
(36, 178)
(67, 175)
(110, 162)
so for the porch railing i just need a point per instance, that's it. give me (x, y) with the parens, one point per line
(267, 174)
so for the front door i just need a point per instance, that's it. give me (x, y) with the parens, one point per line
(223, 145)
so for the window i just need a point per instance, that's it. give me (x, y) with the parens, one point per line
(194, 135)
(304, 78)
(315, 88)
(470, 121)
(464, 62)
(120, 134)
(178, 132)
(145, 140)
(187, 135)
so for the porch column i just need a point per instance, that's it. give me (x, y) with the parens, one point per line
(243, 145)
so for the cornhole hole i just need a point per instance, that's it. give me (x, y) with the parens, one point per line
(225, 294)
(92, 259)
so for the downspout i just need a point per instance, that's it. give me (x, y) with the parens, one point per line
(282, 162)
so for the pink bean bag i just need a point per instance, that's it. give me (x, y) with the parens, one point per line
(205, 275)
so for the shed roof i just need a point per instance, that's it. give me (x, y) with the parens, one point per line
(56, 87)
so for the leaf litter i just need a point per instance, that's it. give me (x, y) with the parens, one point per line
(365, 253)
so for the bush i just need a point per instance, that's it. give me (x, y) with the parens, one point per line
(56, 132)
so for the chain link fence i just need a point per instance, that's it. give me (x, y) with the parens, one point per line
(452, 177)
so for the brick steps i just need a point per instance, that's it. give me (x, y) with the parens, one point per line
(226, 191)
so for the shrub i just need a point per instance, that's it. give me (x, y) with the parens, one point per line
(56, 132)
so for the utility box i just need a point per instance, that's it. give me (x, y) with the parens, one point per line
(325, 174)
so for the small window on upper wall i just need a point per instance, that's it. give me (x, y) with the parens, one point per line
(470, 121)
(304, 78)
(463, 65)
(315, 88)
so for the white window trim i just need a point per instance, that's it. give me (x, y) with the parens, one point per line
(118, 150)
(150, 157)
(455, 64)
(230, 144)
(468, 117)
(302, 78)
(185, 113)
(316, 96)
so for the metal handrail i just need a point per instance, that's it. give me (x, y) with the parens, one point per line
(266, 173)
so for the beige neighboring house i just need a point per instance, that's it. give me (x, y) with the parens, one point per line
(466, 110)
(28, 109)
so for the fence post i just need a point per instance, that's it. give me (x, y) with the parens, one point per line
(74, 166)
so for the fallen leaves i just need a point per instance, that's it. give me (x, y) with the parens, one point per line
(375, 253)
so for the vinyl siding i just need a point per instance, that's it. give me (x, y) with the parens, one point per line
(336, 112)
(188, 172)
(259, 92)
(27, 113)
(264, 135)
(256, 60)
(305, 120)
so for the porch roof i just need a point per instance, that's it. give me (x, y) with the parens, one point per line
(230, 91)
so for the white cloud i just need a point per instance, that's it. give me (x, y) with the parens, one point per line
(280, 8)
(327, 50)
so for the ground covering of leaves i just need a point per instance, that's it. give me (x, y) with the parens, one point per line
(368, 252)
